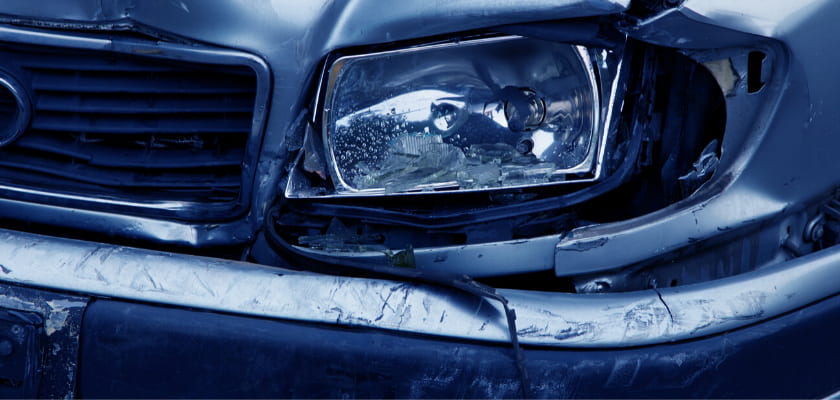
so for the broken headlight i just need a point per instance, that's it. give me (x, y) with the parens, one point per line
(481, 114)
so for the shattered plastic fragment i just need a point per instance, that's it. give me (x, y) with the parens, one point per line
(479, 176)
(724, 73)
(340, 238)
(403, 259)
(513, 175)
(411, 161)
(702, 169)
(416, 160)
(493, 152)
(322, 241)
(313, 162)
(338, 243)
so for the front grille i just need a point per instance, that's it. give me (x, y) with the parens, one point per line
(127, 128)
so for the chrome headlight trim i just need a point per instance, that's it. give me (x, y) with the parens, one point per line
(603, 73)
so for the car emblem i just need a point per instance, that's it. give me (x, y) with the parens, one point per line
(15, 110)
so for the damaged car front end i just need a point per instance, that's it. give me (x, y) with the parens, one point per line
(584, 198)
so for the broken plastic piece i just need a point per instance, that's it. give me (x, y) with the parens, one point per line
(514, 175)
(702, 170)
(402, 259)
(412, 161)
(478, 175)
(340, 238)
(313, 162)
(724, 73)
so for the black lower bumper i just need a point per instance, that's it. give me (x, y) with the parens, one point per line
(136, 350)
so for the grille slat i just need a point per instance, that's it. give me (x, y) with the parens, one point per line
(122, 178)
(48, 64)
(137, 82)
(139, 155)
(149, 104)
(134, 128)
(113, 124)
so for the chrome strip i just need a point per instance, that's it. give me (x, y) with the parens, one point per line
(613, 106)
(162, 204)
(127, 226)
(172, 51)
(546, 319)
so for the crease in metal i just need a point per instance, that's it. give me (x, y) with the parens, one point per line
(546, 319)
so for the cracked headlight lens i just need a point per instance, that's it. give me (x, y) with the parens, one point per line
(480, 114)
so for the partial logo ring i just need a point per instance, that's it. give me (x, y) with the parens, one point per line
(15, 110)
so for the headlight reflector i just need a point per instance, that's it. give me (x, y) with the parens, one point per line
(479, 114)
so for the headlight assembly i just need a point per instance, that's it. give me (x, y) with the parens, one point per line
(531, 140)
(481, 114)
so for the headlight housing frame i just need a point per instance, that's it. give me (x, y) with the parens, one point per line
(316, 174)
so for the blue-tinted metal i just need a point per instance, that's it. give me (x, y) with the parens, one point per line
(775, 156)
(95, 97)
(607, 320)
(283, 34)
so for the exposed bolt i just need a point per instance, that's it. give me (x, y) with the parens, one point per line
(815, 229)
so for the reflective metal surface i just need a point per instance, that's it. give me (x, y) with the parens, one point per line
(66, 204)
(546, 319)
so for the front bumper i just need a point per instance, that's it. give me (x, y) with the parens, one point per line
(172, 315)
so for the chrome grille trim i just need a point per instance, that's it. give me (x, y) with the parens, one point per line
(211, 59)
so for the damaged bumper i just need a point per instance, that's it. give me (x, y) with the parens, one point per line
(155, 315)
(697, 261)
(609, 320)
